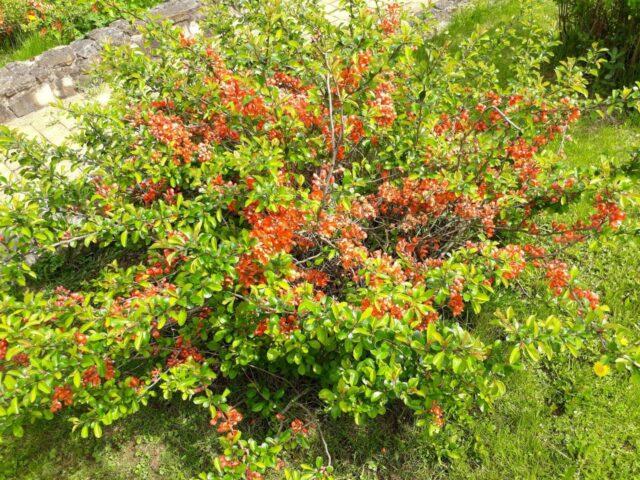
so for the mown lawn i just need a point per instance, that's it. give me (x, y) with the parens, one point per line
(560, 422)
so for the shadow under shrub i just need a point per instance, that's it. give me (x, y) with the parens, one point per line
(613, 24)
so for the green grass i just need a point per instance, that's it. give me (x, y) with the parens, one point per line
(161, 442)
(27, 46)
(487, 14)
(559, 422)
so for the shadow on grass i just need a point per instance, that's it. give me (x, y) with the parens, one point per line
(166, 440)
(74, 268)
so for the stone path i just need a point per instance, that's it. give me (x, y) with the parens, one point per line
(52, 123)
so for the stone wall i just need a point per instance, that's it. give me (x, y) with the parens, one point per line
(59, 73)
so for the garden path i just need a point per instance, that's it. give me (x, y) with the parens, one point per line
(54, 125)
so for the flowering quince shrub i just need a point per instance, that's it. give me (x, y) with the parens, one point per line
(299, 210)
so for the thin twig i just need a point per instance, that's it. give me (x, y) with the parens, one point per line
(334, 149)
(71, 240)
(324, 442)
(508, 120)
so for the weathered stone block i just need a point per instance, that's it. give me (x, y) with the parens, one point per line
(19, 67)
(83, 80)
(137, 40)
(176, 11)
(123, 26)
(31, 100)
(23, 104)
(15, 78)
(5, 113)
(64, 86)
(85, 48)
(190, 29)
(56, 57)
(41, 74)
(110, 35)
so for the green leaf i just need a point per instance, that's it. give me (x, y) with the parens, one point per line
(326, 395)
(181, 317)
(12, 352)
(514, 357)
(77, 380)
(14, 406)
(321, 333)
(456, 364)
(9, 382)
(433, 336)
(358, 418)
(357, 351)
(533, 353)
(438, 360)
(18, 431)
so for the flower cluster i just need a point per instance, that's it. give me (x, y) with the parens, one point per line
(226, 422)
(62, 396)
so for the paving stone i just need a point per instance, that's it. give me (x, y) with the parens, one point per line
(45, 124)
(68, 121)
(55, 134)
(78, 98)
(44, 119)
(30, 132)
(41, 119)
(20, 122)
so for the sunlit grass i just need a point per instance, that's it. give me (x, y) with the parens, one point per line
(487, 14)
(27, 46)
